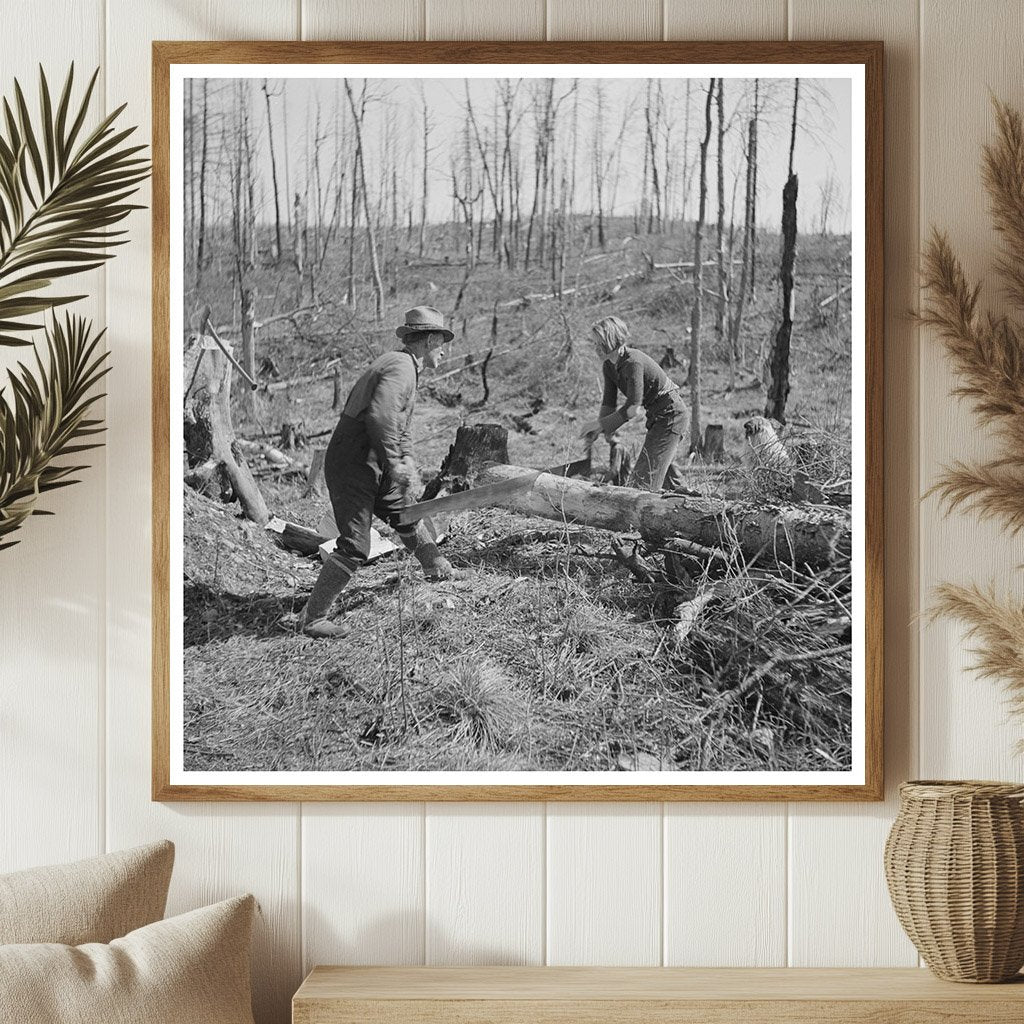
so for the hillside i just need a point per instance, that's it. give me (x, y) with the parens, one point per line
(551, 655)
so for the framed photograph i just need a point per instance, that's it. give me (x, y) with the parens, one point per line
(517, 421)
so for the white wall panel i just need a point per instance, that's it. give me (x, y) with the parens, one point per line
(52, 583)
(604, 19)
(835, 852)
(222, 848)
(967, 49)
(485, 883)
(382, 19)
(725, 885)
(725, 19)
(604, 884)
(485, 19)
(362, 884)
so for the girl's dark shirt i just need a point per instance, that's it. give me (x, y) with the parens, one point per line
(637, 376)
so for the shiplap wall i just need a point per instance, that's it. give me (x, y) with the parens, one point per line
(736, 884)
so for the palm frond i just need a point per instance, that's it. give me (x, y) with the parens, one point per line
(62, 192)
(45, 418)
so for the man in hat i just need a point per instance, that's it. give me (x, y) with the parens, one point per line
(369, 467)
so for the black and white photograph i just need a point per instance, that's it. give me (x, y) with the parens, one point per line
(522, 424)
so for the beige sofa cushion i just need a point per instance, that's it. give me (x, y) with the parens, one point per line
(191, 969)
(93, 900)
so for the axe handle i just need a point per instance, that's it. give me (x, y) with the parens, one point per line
(207, 322)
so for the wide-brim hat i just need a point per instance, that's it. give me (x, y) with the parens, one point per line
(424, 318)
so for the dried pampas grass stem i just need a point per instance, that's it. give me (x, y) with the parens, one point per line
(997, 629)
(986, 351)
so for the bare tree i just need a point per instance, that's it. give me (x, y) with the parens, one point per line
(652, 114)
(203, 162)
(698, 279)
(736, 351)
(720, 236)
(828, 199)
(357, 119)
(753, 188)
(686, 148)
(778, 390)
(425, 194)
(273, 175)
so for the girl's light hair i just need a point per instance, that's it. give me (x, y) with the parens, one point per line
(612, 333)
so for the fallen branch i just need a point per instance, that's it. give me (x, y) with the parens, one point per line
(730, 696)
(468, 366)
(688, 612)
(632, 561)
(832, 298)
(281, 385)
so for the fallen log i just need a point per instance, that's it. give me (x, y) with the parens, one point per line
(813, 537)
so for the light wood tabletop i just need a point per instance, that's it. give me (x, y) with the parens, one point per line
(603, 995)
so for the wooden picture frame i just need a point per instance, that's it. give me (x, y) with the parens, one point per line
(169, 782)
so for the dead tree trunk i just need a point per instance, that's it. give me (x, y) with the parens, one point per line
(425, 193)
(698, 279)
(723, 297)
(203, 160)
(273, 176)
(371, 243)
(316, 485)
(249, 344)
(748, 231)
(753, 188)
(778, 391)
(762, 533)
(215, 467)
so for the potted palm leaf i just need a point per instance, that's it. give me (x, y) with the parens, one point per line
(64, 189)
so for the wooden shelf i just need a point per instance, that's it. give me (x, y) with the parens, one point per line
(631, 995)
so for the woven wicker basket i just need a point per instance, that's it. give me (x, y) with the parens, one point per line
(954, 861)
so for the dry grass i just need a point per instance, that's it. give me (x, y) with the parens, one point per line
(549, 657)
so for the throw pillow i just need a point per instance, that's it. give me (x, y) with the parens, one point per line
(190, 969)
(92, 900)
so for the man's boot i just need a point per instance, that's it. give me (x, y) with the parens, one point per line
(329, 584)
(435, 566)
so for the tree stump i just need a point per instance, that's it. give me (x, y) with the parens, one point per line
(620, 462)
(712, 449)
(316, 485)
(214, 464)
(475, 448)
(293, 435)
